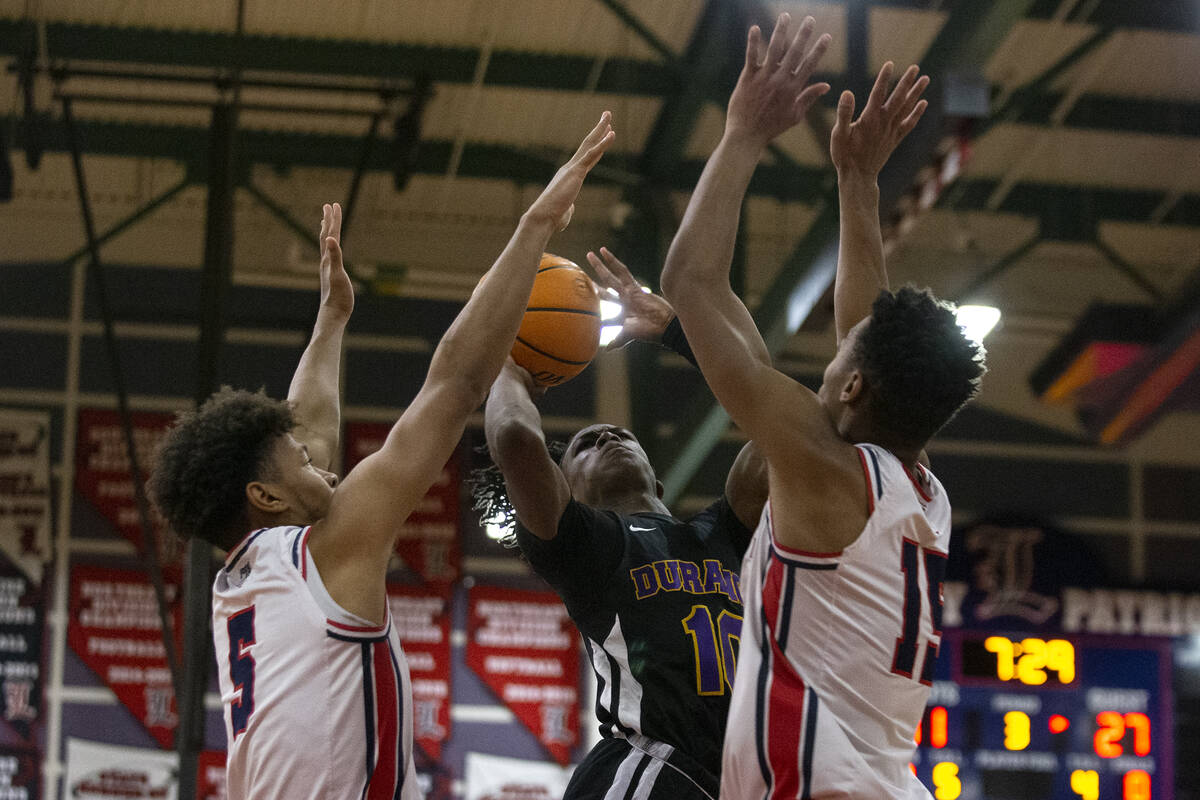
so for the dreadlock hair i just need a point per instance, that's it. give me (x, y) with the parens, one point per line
(919, 366)
(208, 457)
(491, 495)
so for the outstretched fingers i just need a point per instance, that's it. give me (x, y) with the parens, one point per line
(806, 99)
(777, 47)
(903, 86)
(879, 90)
(799, 47)
(754, 47)
(335, 225)
(612, 272)
(913, 118)
(596, 142)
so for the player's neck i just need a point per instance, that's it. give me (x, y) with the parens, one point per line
(633, 504)
(869, 434)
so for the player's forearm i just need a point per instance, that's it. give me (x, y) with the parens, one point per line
(702, 250)
(315, 390)
(511, 422)
(860, 270)
(473, 350)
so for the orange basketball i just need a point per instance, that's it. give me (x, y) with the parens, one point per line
(560, 332)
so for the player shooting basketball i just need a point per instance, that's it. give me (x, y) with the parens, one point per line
(315, 687)
(842, 579)
(655, 598)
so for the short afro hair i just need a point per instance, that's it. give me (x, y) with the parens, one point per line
(208, 457)
(919, 366)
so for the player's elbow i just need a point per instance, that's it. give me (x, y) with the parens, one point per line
(510, 437)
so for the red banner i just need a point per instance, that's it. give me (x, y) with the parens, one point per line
(114, 629)
(524, 647)
(102, 470)
(423, 621)
(20, 773)
(210, 775)
(428, 541)
(22, 618)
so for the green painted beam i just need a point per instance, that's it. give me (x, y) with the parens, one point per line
(344, 58)
(966, 39)
(1042, 200)
(288, 148)
(400, 62)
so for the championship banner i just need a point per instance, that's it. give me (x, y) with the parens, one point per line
(428, 540)
(523, 645)
(110, 772)
(498, 778)
(20, 774)
(210, 778)
(114, 629)
(25, 490)
(102, 469)
(422, 620)
(22, 618)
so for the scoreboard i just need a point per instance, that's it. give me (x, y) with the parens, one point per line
(1023, 716)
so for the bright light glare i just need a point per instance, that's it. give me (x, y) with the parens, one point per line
(977, 321)
(610, 310)
(497, 532)
(608, 333)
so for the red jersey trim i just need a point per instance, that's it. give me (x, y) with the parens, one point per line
(783, 549)
(917, 483)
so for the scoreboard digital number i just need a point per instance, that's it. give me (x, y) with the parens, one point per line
(1019, 717)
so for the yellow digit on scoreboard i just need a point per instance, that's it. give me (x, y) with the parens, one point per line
(1016, 730)
(1086, 784)
(946, 783)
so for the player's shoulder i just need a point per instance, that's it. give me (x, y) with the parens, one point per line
(282, 544)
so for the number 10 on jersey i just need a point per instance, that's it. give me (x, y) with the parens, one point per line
(715, 648)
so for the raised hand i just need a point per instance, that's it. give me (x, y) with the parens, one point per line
(646, 315)
(772, 93)
(512, 371)
(863, 146)
(337, 290)
(557, 201)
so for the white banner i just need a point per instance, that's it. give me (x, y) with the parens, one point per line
(25, 490)
(497, 778)
(110, 772)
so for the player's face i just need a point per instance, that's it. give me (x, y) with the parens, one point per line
(306, 487)
(608, 456)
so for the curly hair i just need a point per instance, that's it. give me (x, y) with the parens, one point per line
(920, 368)
(491, 496)
(208, 457)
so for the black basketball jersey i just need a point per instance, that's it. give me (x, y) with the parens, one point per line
(658, 604)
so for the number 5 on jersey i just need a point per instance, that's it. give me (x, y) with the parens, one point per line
(241, 668)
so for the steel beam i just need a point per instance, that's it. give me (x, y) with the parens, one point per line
(215, 280)
(964, 43)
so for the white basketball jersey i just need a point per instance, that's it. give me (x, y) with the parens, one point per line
(317, 701)
(837, 650)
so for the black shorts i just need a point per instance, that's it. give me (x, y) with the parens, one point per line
(641, 768)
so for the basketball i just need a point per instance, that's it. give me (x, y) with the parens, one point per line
(560, 332)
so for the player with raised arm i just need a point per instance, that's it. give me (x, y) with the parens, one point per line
(314, 683)
(842, 580)
(655, 598)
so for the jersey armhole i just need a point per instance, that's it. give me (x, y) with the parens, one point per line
(870, 468)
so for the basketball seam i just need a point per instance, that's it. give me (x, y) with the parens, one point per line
(551, 356)
(558, 266)
(564, 310)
